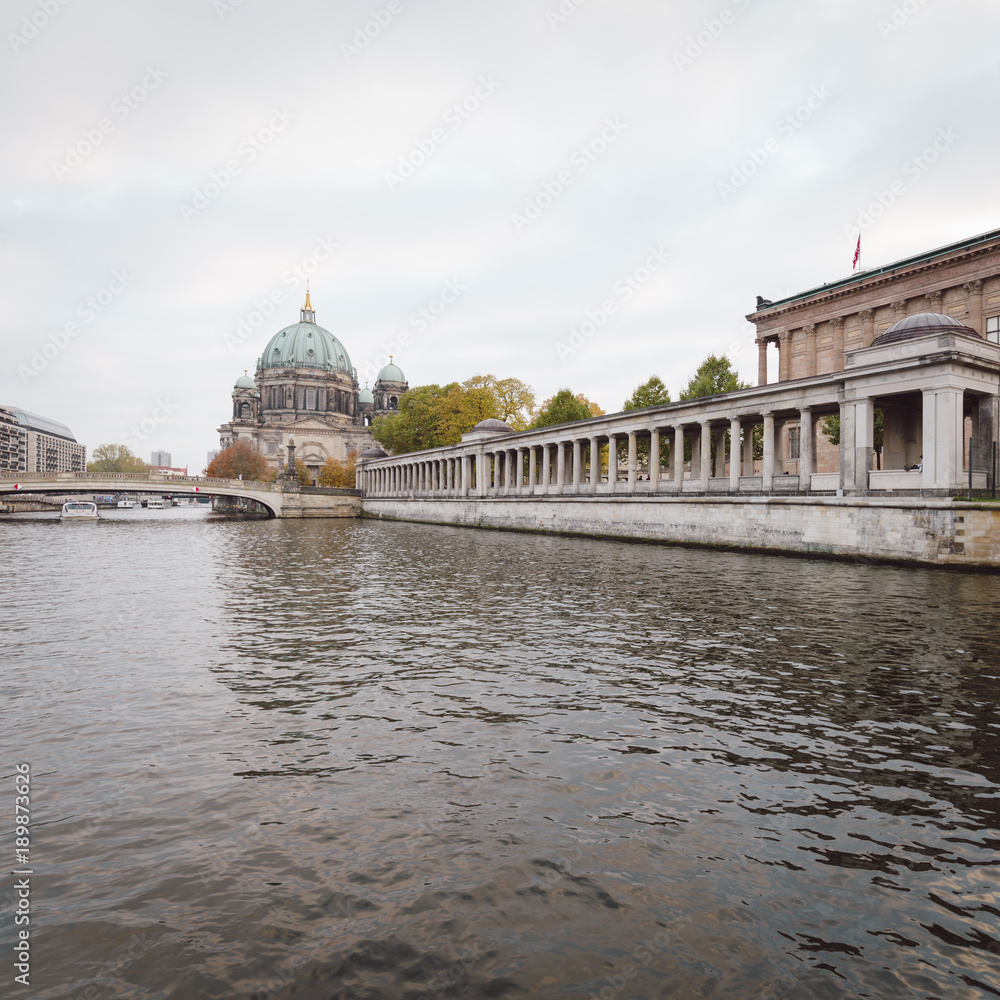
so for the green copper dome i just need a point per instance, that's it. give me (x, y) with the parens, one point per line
(245, 382)
(365, 396)
(391, 373)
(306, 345)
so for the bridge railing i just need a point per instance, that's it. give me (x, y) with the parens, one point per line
(133, 478)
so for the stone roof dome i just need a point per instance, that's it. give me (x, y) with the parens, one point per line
(375, 452)
(306, 345)
(391, 373)
(245, 382)
(365, 396)
(922, 325)
(492, 424)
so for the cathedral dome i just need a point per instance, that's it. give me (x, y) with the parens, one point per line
(365, 396)
(922, 325)
(391, 373)
(306, 345)
(245, 382)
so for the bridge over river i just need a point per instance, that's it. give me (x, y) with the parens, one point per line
(279, 499)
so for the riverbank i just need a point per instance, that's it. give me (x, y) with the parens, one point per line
(905, 530)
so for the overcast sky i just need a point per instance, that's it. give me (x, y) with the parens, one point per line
(507, 167)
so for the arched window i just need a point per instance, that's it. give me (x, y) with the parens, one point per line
(393, 403)
(245, 411)
(368, 420)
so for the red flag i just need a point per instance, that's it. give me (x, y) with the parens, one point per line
(857, 254)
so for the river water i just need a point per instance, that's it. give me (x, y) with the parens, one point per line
(352, 759)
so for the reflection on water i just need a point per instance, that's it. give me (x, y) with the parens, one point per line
(354, 759)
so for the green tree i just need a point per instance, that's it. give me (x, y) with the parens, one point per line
(241, 458)
(714, 375)
(115, 458)
(563, 408)
(339, 474)
(418, 423)
(652, 392)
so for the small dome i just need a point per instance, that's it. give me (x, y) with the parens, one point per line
(365, 396)
(391, 373)
(922, 325)
(492, 424)
(375, 452)
(245, 382)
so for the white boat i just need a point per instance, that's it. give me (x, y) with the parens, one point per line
(154, 503)
(79, 509)
(127, 504)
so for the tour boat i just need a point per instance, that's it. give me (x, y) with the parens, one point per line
(127, 504)
(79, 508)
(154, 503)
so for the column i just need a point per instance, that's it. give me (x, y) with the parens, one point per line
(868, 326)
(654, 457)
(612, 461)
(784, 355)
(677, 455)
(532, 469)
(577, 464)
(706, 454)
(464, 461)
(768, 468)
(519, 471)
(944, 430)
(720, 452)
(595, 463)
(513, 480)
(748, 450)
(633, 460)
(810, 334)
(560, 466)
(734, 455)
(807, 448)
(974, 289)
(864, 438)
(837, 328)
(482, 472)
(762, 362)
(546, 467)
(847, 469)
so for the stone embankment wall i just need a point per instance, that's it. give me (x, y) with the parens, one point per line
(931, 532)
(330, 503)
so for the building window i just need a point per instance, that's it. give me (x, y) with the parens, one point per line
(272, 447)
(793, 442)
(310, 399)
(993, 329)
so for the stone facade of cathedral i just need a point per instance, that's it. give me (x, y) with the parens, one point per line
(305, 390)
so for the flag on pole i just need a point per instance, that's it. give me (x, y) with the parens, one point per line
(857, 254)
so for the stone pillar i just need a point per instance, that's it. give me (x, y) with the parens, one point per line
(734, 455)
(944, 432)
(612, 460)
(595, 463)
(768, 465)
(864, 439)
(482, 472)
(974, 289)
(546, 467)
(677, 455)
(696, 454)
(706, 454)
(762, 362)
(810, 335)
(748, 450)
(633, 460)
(560, 466)
(532, 469)
(464, 473)
(837, 329)
(577, 464)
(519, 471)
(807, 448)
(847, 466)
(654, 457)
(720, 452)
(867, 326)
(784, 355)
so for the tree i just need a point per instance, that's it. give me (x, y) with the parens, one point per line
(651, 393)
(714, 375)
(240, 459)
(339, 474)
(563, 408)
(417, 424)
(115, 459)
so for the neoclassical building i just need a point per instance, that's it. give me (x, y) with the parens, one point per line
(305, 390)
